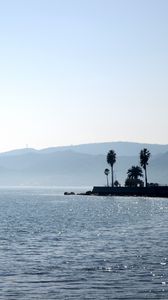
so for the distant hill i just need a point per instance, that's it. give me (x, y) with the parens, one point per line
(121, 148)
(158, 168)
(18, 152)
(53, 167)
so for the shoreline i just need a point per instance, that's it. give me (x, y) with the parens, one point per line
(154, 191)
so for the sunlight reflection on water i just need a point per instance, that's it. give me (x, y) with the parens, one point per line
(75, 247)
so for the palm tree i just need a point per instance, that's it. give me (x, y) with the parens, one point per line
(134, 172)
(111, 159)
(133, 176)
(106, 172)
(144, 157)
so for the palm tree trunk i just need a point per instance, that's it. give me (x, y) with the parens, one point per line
(112, 179)
(107, 181)
(146, 181)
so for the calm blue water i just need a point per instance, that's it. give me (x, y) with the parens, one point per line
(75, 247)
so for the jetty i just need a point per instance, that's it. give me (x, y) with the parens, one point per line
(150, 191)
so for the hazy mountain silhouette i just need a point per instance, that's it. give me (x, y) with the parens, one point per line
(159, 168)
(54, 166)
(18, 152)
(121, 149)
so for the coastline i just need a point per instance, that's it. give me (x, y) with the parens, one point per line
(154, 191)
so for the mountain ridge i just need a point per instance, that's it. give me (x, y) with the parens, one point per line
(73, 168)
(121, 148)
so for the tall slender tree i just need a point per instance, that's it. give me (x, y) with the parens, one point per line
(111, 159)
(106, 172)
(144, 157)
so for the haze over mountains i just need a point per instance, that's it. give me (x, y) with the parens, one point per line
(121, 148)
(79, 165)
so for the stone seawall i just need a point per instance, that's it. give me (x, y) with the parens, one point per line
(155, 191)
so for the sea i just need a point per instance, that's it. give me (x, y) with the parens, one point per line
(81, 247)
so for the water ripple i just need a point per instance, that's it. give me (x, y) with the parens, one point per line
(58, 247)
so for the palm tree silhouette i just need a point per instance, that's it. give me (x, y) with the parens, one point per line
(106, 172)
(134, 172)
(144, 157)
(111, 159)
(133, 176)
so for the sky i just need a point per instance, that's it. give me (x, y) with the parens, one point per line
(83, 71)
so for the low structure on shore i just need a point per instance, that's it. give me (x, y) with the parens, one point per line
(150, 191)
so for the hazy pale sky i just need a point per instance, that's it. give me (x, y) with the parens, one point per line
(81, 71)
